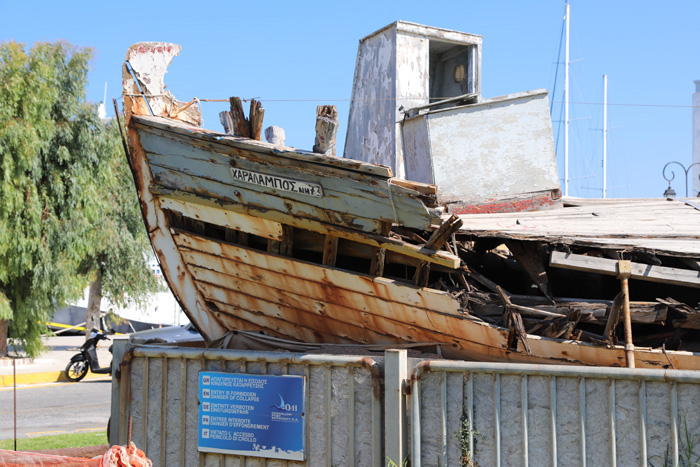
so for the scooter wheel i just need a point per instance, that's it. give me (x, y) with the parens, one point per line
(75, 371)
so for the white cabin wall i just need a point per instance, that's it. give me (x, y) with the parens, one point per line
(416, 148)
(500, 148)
(371, 134)
(412, 88)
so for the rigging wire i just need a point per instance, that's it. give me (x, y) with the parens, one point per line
(556, 72)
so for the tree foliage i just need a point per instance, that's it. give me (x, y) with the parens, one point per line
(62, 175)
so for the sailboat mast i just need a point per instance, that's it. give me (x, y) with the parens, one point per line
(566, 105)
(605, 136)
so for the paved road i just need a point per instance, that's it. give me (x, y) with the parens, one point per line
(55, 408)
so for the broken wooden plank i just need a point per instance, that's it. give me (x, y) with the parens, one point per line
(378, 259)
(528, 257)
(226, 121)
(435, 242)
(256, 115)
(241, 125)
(645, 272)
(422, 188)
(514, 322)
(613, 319)
(326, 129)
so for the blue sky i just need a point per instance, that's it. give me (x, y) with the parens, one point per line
(296, 55)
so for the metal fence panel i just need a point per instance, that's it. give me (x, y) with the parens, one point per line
(532, 415)
(159, 394)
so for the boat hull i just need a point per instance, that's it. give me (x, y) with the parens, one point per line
(226, 248)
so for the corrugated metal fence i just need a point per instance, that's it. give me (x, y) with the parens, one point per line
(537, 415)
(159, 391)
(363, 411)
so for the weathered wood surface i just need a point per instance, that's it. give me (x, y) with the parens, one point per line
(224, 143)
(527, 255)
(385, 306)
(662, 226)
(391, 244)
(256, 115)
(592, 311)
(221, 217)
(275, 135)
(149, 61)
(646, 272)
(241, 125)
(326, 129)
(435, 242)
(190, 168)
(226, 122)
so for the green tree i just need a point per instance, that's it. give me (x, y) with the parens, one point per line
(63, 193)
(116, 264)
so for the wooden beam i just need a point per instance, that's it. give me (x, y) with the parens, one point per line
(645, 272)
(377, 265)
(256, 115)
(528, 257)
(241, 125)
(613, 318)
(330, 250)
(422, 188)
(326, 129)
(435, 242)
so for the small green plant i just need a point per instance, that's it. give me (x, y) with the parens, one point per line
(466, 450)
(686, 455)
(391, 463)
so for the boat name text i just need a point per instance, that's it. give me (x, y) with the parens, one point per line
(278, 183)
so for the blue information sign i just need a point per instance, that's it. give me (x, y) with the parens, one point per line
(252, 415)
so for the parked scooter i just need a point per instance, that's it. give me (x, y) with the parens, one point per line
(87, 358)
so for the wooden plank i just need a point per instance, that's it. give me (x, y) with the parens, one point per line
(241, 125)
(286, 300)
(326, 318)
(216, 191)
(330, 250)
(378, 258)
(207, 137)
(256, 114)
(613, 319)
(392, 292)
(646, 272)
(340, 193)
(222, 217)
(422, 188)
(594, 311)
(435, 242)
(527, 255)
(308, 325)
(390, 244)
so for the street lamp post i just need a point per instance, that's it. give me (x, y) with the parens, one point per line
(670, 193)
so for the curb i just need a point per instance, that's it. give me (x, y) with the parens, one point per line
(7, 381)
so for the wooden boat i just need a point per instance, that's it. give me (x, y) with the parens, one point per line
(317, 248)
